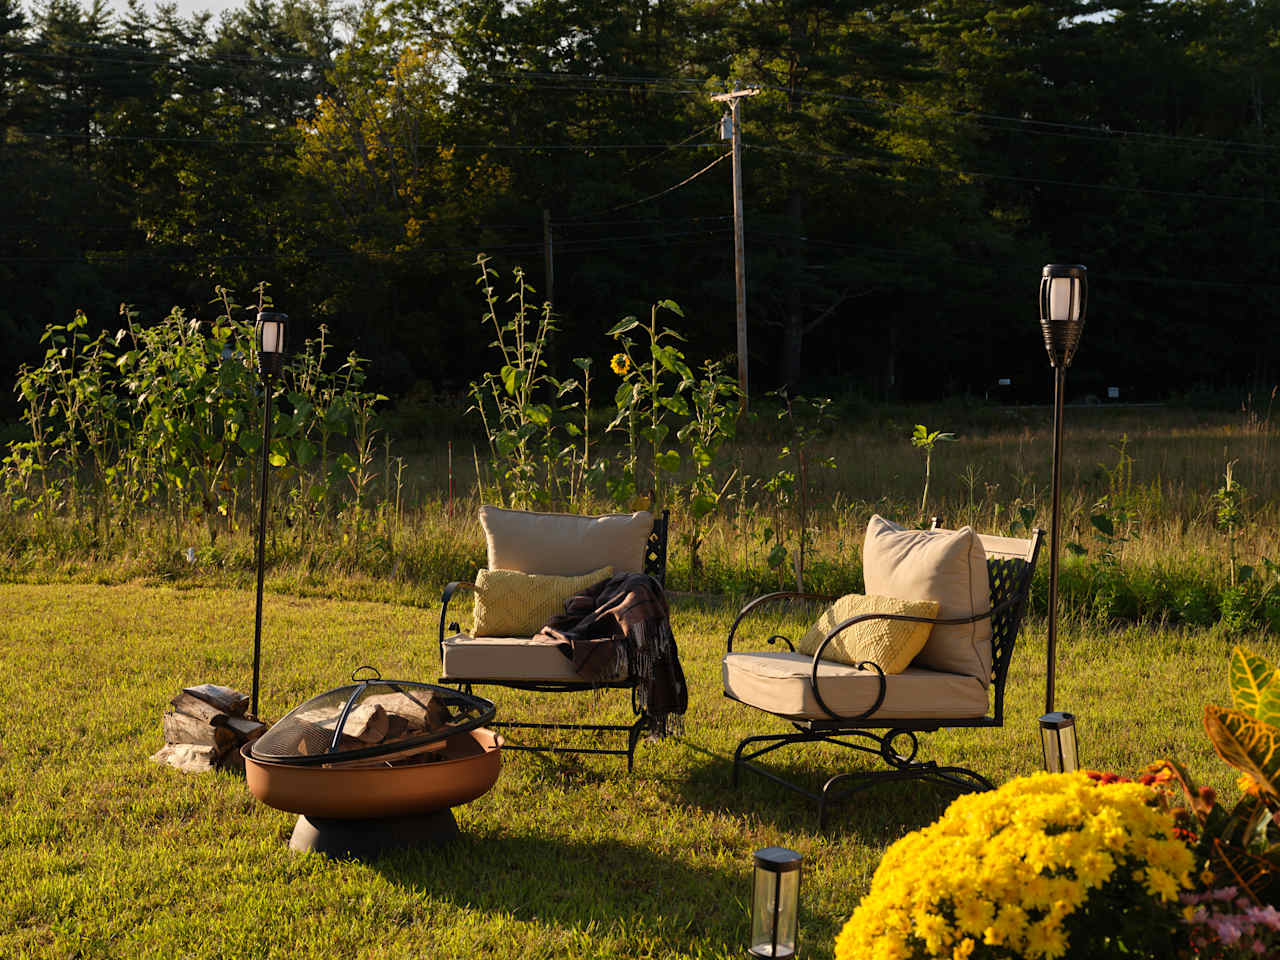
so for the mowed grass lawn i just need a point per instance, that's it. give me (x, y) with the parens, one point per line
(104, 854)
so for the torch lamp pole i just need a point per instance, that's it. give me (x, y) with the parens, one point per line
(270, 361)
(1063, 298)
(1055, 521)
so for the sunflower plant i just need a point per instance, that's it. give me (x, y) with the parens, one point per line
(651, 394)
(1047, 866)
(526, 411)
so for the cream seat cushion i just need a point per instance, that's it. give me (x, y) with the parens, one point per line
(778, 683)
(565, 544)
(506, 659)
(949, 566)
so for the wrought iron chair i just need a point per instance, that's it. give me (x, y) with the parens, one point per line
(813, 691)
(470, 661)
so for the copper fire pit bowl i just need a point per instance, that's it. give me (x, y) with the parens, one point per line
(469, 768)
(375, 766)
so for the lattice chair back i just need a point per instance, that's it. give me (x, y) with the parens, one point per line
(655, 550)
(1010, 565)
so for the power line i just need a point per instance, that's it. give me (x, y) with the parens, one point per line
(570, 244)
(898, 254)
(603, 223)
(1024, 124)
(517, 147)
(864, 161)
(142, 56)
(577, 82)
(586, 245)
(51, 226)
(681, 143)
(655, 196)
(1101, 135)
(1020, 124)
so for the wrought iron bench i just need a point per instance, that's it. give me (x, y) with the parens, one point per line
(515, 662)
(848, 706)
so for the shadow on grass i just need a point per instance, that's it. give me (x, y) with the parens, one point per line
(605, 885)
(881, 813)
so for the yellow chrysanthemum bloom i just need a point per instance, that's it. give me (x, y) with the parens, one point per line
(1007, 870)
(620, 363)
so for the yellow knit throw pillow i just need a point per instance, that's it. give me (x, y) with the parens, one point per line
(514, 604)
(891, 644)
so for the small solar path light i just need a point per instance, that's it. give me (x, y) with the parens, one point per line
(1058, 737)
(270, 362)
(775, 901)
(1063, 297)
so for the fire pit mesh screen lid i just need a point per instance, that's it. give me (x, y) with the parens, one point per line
(372, 719)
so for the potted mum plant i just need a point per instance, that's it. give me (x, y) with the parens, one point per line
(1047, 866)
(1091, 865)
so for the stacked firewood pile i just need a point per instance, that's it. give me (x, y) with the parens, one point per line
(375, 721)
(205, 727)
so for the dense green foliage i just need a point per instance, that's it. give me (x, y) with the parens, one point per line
(163, 423)
(908, 169)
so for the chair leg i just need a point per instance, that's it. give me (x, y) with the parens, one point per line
(634, 731)
(901, 767)
(633, 738)
(963, 778)
(776, 741)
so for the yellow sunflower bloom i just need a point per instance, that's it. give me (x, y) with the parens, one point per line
(620, 364)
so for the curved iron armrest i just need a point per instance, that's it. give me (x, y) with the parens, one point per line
(781, 595)
(863, 665)
(450, 589)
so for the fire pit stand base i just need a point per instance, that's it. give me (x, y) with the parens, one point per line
(372, 838)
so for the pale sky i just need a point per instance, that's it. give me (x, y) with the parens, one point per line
(187, 7)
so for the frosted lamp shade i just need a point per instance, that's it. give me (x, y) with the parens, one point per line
(271, 332)
(775, 901)
(1058, 738)
(1064, 300)
(1064, 294)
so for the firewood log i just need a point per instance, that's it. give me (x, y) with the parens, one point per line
(424, 711)
(184, 728)
(229, 701)
(193, 706)
(246, 730)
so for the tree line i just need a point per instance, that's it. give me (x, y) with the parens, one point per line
(908, 168)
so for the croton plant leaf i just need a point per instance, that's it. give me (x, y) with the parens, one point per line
(1252, 684)
(1268, 709)
(1248, 872)
(1247, 744)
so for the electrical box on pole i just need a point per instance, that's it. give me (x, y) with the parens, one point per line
(731, 128)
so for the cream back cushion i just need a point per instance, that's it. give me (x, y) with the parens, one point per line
(949, 566)
(890, 644)
(565, 544)
(514, 604)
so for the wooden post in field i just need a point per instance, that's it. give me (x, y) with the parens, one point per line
(548, 256)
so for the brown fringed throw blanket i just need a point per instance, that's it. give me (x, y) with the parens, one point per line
(621, 627)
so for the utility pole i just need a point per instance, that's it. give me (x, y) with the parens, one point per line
(734, 118)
